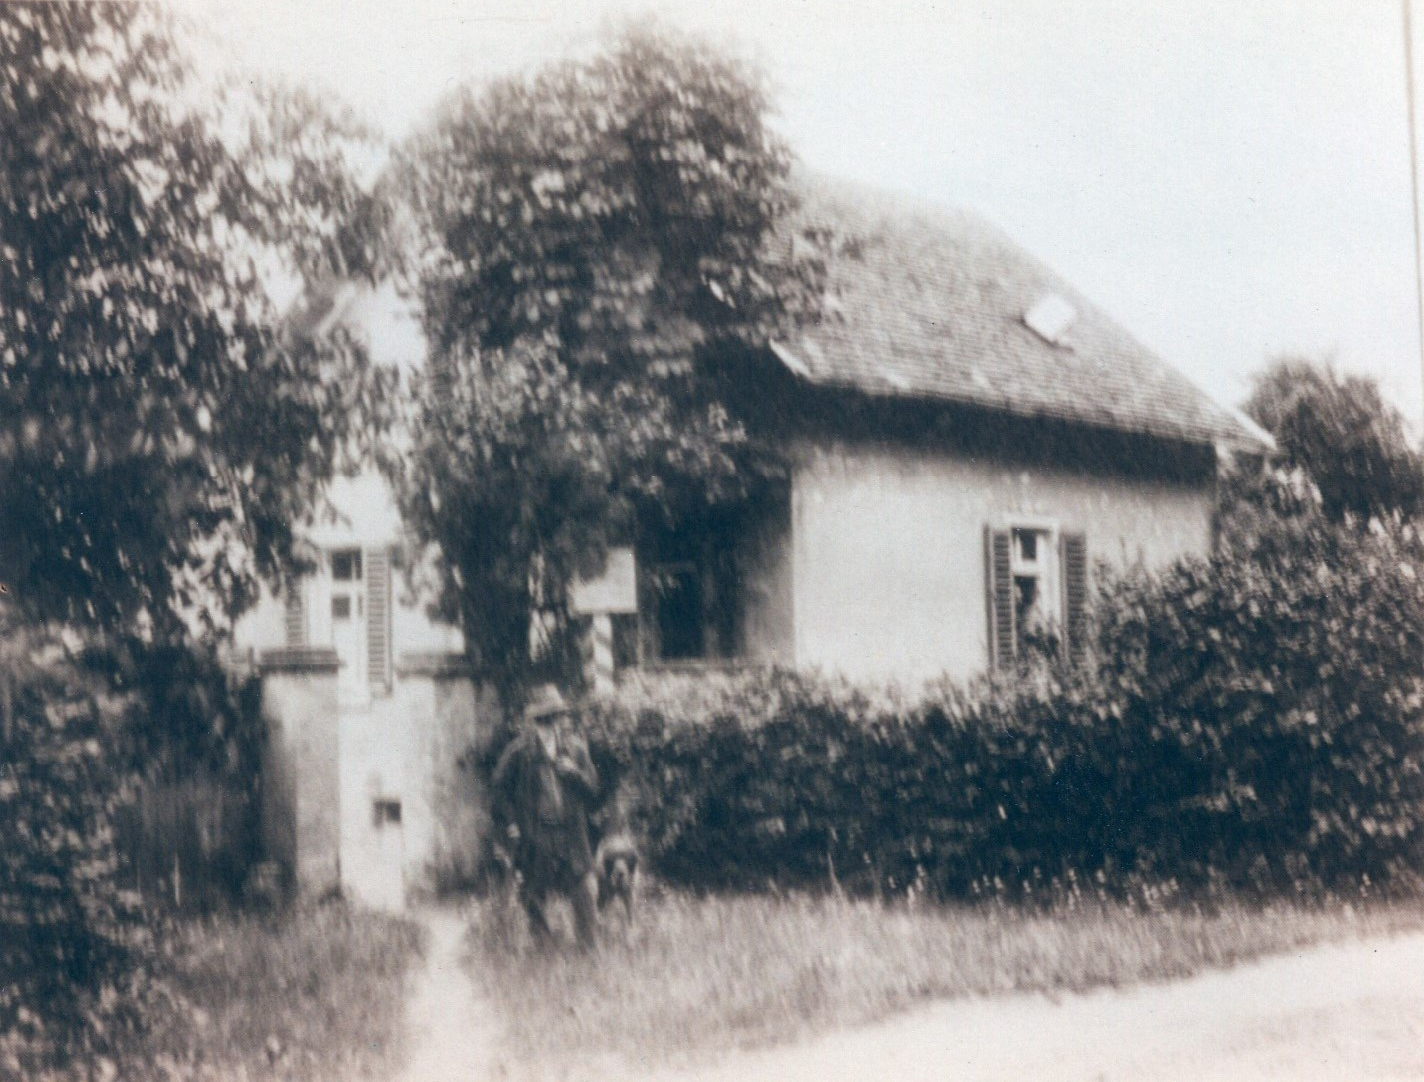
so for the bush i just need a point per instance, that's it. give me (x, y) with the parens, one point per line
(83, 721)
(73, 950)
(1253, 721)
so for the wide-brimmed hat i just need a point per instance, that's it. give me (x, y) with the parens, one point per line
(545, 702)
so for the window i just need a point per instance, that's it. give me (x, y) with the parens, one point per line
(385, 813)
(1034, 597)
(1037, 583)
(346, 565)
(686, 596)
(341, 607)
(680, 616)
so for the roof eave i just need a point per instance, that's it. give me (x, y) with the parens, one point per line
(1250, 437)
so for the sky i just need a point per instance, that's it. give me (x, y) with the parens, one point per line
(1229, 181)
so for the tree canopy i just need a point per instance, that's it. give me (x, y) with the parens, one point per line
(1341, 434)
(162, 427)
(596, 240)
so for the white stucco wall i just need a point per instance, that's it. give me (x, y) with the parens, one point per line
(888, 562)
(407, 748)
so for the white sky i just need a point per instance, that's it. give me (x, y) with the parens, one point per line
(1229, 180)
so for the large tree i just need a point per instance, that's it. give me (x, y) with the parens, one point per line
(162, 426)
(596, 241)
(1342, 436)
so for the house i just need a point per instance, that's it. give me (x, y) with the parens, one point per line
(966, 437)
(370, 703)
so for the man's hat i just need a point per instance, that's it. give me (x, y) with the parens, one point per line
(545, 702)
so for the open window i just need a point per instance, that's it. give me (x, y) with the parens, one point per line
(1037, 583)
(687, 597)
(680, 610)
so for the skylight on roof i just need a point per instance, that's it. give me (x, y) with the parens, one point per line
(1050, 318)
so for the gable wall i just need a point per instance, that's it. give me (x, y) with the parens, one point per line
(888, 553)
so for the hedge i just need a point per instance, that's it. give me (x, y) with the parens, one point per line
(1254, 721)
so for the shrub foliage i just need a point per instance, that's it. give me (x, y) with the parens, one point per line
(1253, 721)
(73, 949)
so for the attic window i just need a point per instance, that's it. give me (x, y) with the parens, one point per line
(1050, 318)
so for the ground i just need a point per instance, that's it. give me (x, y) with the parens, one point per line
(1353, 1010)
(453, 1035)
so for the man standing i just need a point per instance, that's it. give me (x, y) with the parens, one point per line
(546, 783)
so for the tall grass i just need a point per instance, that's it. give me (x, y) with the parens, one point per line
(721, 972)
(315, 994)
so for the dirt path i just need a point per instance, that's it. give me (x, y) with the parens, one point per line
(1353, 1011)
(453, 1034)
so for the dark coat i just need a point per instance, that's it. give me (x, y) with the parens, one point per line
(549, 798)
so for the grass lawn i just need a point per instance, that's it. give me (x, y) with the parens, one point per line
(314, 994)
(714, 973)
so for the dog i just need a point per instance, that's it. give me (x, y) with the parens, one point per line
(615, 863)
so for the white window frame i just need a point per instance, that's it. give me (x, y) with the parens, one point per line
(1044, 567)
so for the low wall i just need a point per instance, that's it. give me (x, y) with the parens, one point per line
(301, 791)
(374, 798)
(449, 808)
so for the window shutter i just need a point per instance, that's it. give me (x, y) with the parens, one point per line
(378, 618)
(297, 615)
(1073, 557)
(1001, 601)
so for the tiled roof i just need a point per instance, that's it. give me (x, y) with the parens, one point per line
(929, 303)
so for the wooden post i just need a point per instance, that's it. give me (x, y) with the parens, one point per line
(600, 675)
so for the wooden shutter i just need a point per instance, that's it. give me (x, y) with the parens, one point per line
(1073, 559)
(378, 618)
(297, 615)
(999, 582)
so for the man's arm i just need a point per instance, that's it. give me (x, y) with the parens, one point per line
(501, 799)
(576, 766)
(499, 777)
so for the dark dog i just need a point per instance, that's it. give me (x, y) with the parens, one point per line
(616, 864)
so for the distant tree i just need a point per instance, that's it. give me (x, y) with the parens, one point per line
(598, 238)
(161, 428)
(1341, 435)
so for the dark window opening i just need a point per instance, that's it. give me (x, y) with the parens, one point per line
(341, 608)
(680, 612)
(1025, 601)
(386, 813)
(688, 594)
(346, 565)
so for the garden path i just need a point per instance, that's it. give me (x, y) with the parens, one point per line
(453, 1034)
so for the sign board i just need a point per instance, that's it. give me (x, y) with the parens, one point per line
(615, 591)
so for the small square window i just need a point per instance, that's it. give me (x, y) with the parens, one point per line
(346, 565)
(1026, 546)
(386, 813)
(341, 608)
